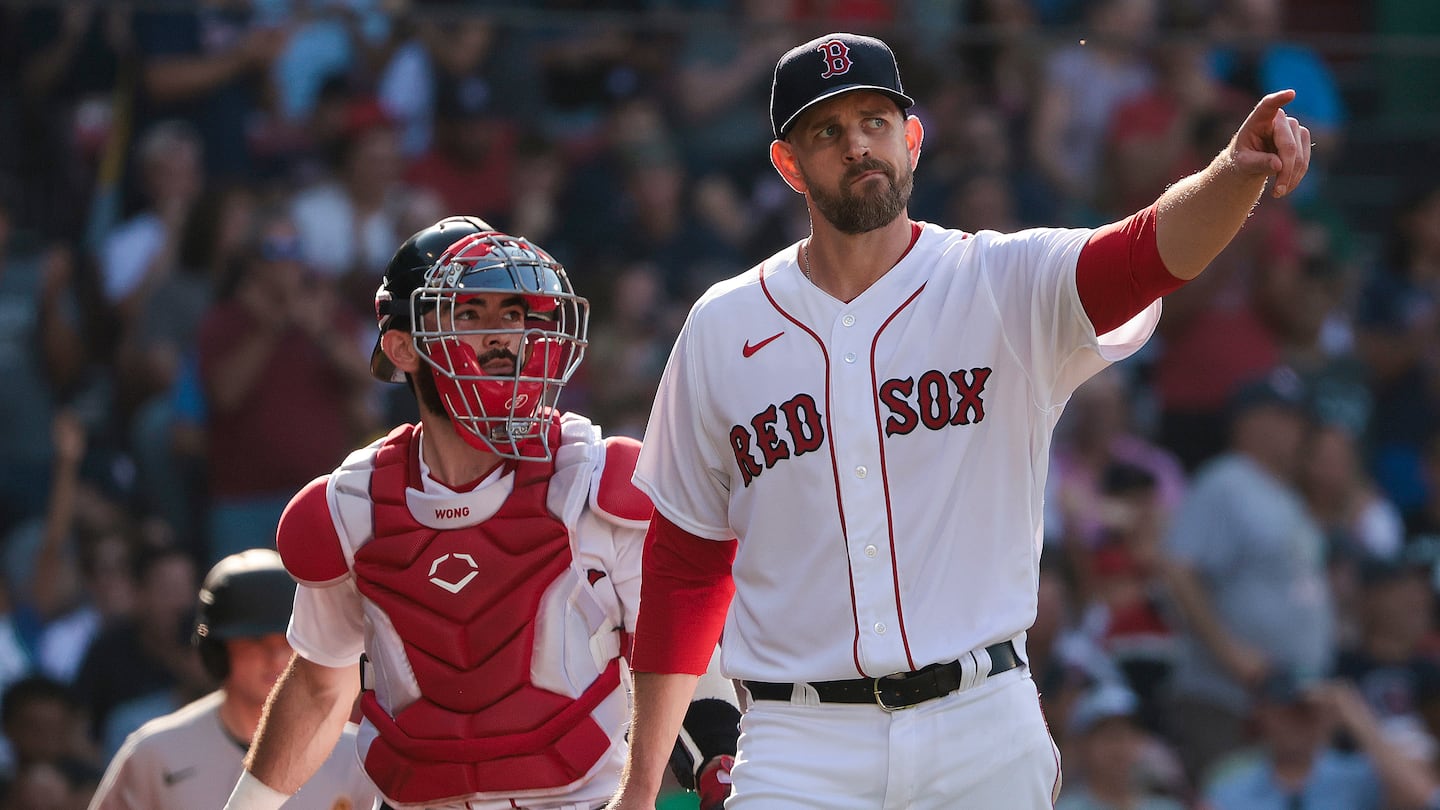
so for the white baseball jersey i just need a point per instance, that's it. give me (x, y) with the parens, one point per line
(881, 461)
(186, 760)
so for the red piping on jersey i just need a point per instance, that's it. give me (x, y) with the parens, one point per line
(1054, 752)
(885, 476)
(915, 231)
(834, 469)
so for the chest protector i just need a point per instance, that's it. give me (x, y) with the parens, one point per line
(465, 601)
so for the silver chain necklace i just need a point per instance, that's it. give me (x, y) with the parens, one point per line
(806, 267)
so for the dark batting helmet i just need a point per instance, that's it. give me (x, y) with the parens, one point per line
(246, 595)
(406, 273)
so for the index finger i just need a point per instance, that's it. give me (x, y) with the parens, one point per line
(1265, 111)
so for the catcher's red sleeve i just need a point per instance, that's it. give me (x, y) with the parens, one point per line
(685, 592)
(1120, 271)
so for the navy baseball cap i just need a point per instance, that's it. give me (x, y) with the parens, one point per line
(827, 66)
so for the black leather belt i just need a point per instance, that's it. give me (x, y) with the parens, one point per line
(892, 691)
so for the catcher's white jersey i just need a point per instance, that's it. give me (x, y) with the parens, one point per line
(186, 760)
(882, 461)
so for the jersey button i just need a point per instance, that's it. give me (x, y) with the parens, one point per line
(849, 357)
(880, 628)
(871, 551)
(848, 320)
(861, 472)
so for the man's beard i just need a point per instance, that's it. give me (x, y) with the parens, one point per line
(854, 214)
(429, 394)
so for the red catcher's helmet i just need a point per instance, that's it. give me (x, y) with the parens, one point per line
(498, 414)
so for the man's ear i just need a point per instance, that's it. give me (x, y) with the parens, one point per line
(914, 136)
(782, 157)
(400, 349)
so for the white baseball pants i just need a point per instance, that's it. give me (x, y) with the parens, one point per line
(984, 748)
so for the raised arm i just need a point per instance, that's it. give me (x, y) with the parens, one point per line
(1407, 778)
(1198, 216)
(302, 723)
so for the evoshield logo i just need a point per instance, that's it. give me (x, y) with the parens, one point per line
(455, 586)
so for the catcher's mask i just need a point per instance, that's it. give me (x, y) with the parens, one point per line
(498, 412)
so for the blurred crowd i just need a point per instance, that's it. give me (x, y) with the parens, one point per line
(1238, 588)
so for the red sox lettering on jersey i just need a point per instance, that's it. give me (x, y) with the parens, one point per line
(939, 401)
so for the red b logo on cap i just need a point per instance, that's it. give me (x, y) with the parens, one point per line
(837, 58)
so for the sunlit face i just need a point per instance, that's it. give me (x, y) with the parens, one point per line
(255, 665)
(491, 324)
(853, 156)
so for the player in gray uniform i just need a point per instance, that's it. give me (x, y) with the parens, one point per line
(189, 759)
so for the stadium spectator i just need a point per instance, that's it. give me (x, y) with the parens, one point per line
(1256, 56)
(1110, 748)
(1218, 333)
(1388, 664)
(1358, 520)
(347, 222)
(1167, 131)
(42, 360)
(170, 473)
(1083, 85)
(1297, 766)
(142, 251)
(1398, 335)
(43, 724)
(284, 383)
(67, 58)
(144, 666)
(211, 65)
(1247, 575)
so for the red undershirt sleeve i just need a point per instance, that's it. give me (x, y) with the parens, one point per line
(1120, 271)
(685, 592)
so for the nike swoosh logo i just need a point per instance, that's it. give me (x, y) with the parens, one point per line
(749, 349)
(171, 777)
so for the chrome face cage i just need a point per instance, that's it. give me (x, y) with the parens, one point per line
(503, 411)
